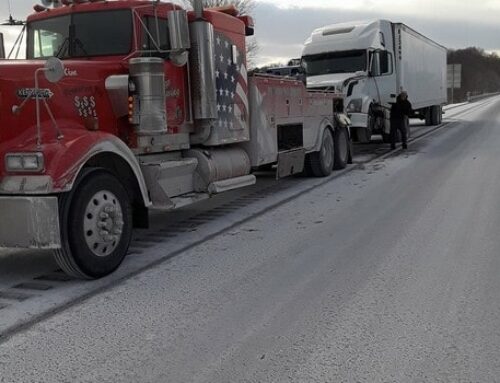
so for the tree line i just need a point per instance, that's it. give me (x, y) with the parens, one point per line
(480, 72)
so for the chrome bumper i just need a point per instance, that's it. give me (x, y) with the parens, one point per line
(29, 222)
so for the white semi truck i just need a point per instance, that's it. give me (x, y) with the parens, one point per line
(371, 63)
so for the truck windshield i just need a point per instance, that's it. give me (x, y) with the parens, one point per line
(104, 33)
(335, 62)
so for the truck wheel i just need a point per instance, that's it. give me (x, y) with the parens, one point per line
(429, 116)
(437, 115)
(433, 115)
(321, 162)
(341, 148)
(364, 135)
(96, 226)
(354, 134)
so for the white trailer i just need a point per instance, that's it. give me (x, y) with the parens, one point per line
(371, 63)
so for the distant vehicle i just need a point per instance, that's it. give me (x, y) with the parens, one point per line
(370, 63)
(287, 71)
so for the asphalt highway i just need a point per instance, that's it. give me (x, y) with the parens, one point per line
(389, 273)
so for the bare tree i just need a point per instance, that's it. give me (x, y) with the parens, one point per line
(245, 7)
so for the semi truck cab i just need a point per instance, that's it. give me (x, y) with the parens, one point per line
(370, 63)
(125, 106)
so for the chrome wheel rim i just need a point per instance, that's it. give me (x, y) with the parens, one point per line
(327, 150)
(103, 223)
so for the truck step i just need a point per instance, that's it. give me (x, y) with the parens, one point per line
(231, 184)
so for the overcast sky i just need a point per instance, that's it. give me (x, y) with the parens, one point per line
(283, 25)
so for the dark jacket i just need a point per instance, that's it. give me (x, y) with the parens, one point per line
(400, 109)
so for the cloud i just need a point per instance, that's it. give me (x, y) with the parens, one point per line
(456, 10)
(285, 26)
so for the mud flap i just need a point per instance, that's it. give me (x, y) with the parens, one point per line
(29, 223)
(290, 162)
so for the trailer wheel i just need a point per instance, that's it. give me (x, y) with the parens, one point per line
(341, 148)
(96, 226)
(437, 115)
(321, 162)
(429, 113)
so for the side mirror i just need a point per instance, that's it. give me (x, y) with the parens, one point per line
(54, 70)
(178, 26)
(2, 47)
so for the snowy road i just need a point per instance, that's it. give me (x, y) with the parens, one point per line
(388, 273)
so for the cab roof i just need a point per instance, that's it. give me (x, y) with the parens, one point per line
(98, 6)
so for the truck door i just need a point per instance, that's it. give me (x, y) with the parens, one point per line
(383, 74)
(387, 78)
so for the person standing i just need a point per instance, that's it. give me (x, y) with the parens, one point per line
(400, 112)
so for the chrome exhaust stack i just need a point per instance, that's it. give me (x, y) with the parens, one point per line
(203, 81)
(198, 9)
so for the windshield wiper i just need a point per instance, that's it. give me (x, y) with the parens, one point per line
(79, 44)
(69, 45)
(63, 49)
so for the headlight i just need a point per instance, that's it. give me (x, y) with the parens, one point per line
(24, 162)
(355, 106)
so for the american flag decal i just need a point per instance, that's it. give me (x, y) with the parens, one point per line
(232, 85)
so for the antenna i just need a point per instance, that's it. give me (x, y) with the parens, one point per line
(11, 20)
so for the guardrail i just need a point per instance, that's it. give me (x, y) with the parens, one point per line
(481, 96)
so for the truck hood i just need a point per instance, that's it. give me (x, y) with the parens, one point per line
(83, 79)
(335, 80)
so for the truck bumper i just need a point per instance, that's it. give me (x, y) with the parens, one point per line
(358, 120)
(29, 222)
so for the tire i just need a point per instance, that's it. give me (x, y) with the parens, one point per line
(434, 115)
(321, 163)
(354, 134)
(364, 135)
(386, 138)
(341, 148)
(96, 226)
(430, 116)
(438, 115)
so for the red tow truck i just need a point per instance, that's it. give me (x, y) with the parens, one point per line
(125, 106)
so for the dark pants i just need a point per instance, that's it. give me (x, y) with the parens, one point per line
(399, 124)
